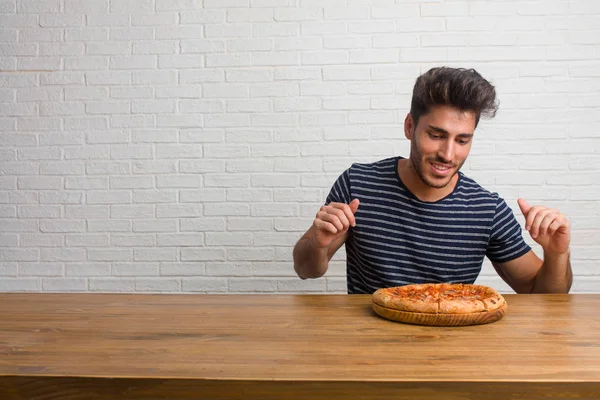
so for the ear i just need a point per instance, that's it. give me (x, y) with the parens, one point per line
(409, 126)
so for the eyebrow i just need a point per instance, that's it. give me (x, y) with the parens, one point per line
(445, 132)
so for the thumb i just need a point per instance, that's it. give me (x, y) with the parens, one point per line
(354, 205)
(524, 206)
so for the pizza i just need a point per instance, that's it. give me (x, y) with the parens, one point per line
(440, 303)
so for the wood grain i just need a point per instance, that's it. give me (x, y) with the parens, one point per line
(478, 318)
(71, 346)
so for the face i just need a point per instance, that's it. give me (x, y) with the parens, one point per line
(440, 143)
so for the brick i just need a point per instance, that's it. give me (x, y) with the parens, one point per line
(157, 285)
(181, 269)
(201, 196)
(154, 77)
(118, 151)
(213, 210)
(110, 254)
(155, 47)
(180, 240)
(301, 286)
(252, 285)
(131, 33)
(13, 20)
(86, 34)
(35, 211)
(229, 60)
(268, 29)
(132, 240)
(181, 61)
(274, 180)
(246, 45)
(86, 6)
(109, 78)
(179, 32)
(87, 269)
(228, 269)
(8, 211)
(201, 76)
(106, 167)
(226, 180)
(275, 150)
(249, 224)
(203, 136)
(8, 269)
(108, 48)
(202, 16)
(133, 62)
(109, 225)
(250, 254)
(64, 285)
(202, 166)
(154, 167)
(274, 210)
(203, 224)
(131, 6)
(18, 168)
(15, 225)
(155, 254)
(39, 183)
(86, 183)
(132, 211)
(202, 254)
(153, 225)
(20, 285)
(62, 254)
(62, 108)
(111, 285)
(228, 239)
(178, 211)
(41, 269)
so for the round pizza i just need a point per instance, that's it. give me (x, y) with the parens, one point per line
(440, 304)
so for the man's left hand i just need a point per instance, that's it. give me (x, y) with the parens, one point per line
(547, 226)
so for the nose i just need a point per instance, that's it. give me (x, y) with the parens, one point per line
(446, 151)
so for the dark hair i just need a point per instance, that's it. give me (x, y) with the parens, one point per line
(461, 88)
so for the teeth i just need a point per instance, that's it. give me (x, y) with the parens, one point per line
(440, 167)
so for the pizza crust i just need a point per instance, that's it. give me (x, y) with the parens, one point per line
(464, 306)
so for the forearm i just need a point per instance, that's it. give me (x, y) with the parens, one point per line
(555, 276)
(310, 261)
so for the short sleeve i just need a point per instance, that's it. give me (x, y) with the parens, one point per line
(340, 191)
(506, 240)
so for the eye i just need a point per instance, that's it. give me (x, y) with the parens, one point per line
(434, 136)
(463, 141)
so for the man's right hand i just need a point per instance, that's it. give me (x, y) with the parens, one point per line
(333, 221)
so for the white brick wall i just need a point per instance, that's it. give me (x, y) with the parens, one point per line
(185, 145)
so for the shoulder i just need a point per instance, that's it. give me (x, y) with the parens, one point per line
(468, 189)
(385, 165)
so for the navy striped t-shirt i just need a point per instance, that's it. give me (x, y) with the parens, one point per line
(399, 239)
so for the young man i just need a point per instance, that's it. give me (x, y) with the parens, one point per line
(420, 220)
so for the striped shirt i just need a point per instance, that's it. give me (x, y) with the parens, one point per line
(399, 239)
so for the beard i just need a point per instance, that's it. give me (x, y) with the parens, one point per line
(420, 165)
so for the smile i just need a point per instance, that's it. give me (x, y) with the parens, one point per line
(440, 167)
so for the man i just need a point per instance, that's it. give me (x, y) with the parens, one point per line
(420, 220)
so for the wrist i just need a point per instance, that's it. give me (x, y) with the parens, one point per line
(313, 243)
(557, 254)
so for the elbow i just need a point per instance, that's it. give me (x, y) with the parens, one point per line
(304, 272)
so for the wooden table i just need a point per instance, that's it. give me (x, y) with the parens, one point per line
(133, 346)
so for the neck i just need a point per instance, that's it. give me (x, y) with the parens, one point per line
(420, 189)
